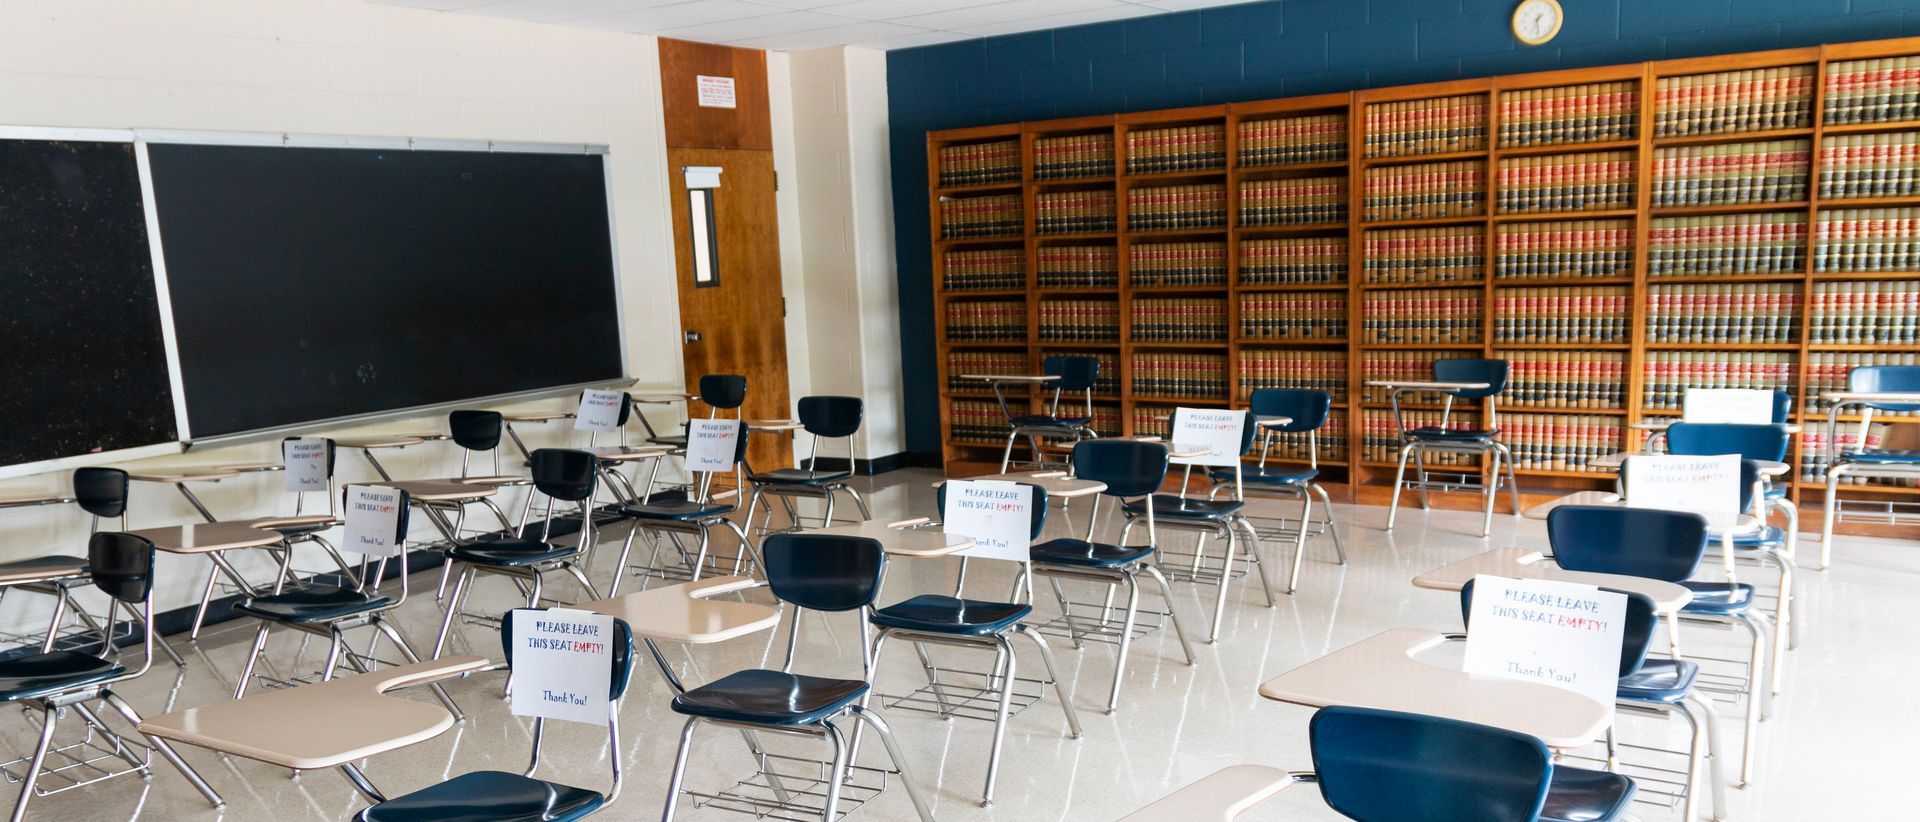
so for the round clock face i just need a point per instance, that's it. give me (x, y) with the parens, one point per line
(1536, 21)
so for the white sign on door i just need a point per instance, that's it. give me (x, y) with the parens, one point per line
(1556, 633)
(306, 462)
(715, 92)
(599, 411)
(562, 664)
(996, 515)
(1218, 431)
(1709, 486)
(1747, 406)
(711, 444)
(373, 521)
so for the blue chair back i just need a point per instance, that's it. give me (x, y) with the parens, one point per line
(1491, 372)
(728, 391)
(471, 429)
(1872, 379)
(626, 410)
(622, 644)
(1306, 407)
(1039, 511)
(121, 566)
(1782, 405)
(1641, 542)
(1075, 373)
(1751, 442)
(824, 572)
(1636, 635)
(1386, 766)
(101, 492)
(565, 474)
(831, 416)
(1130, 468)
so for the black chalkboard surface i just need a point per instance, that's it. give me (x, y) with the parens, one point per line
(83, 367)
(311, 284)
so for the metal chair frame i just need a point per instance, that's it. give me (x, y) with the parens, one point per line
(694, 563)
(1842, 465)
(1418, 448)
(1304, 490)
(787, 492)
(1034, 433)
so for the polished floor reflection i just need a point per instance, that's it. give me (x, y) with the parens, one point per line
(1833, 749)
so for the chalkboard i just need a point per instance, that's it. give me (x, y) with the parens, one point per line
(311, 284)
(83, 365)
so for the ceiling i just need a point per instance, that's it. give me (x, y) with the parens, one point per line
(794, 25)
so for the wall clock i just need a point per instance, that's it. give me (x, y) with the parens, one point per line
(1537, 21)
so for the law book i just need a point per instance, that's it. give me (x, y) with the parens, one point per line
(1177, 264)
(1422, 316)
(1727, 244)
(1432, 126)
(1380, 439)
(1722, 314)
(1420, 191)
(1569, 249)
(1768, 171)
(1566, 379)
(1077, 266)
(1312, 369)
(1448, 254)
(1595, 181)
(1567, 315)
(1877, 90)
(987, 269)
(1728, 102)
(1314, 138)
(1293, 260)
(1399, 366)
(1293, 315)
(1067, 157)
(1589, 112)
(983, 362)
(1867, 240)
(1666, 375)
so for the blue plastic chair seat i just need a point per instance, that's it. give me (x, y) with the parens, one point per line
(1089, 554)
(1660, 680)
(1274, 476)
(1766, 537)
(1040, 420)
(1436, 434)
(799, 476)
(936, 614)
(1883, 457)
(1718, 597)
(511, 553)
(312, 604)
(1169, 506)
(1775, 492)
(38, 675)
(685, 509)
(1582, 795)
(770, 698)
(488, 796)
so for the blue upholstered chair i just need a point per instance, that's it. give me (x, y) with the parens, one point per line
(1308, 410)
(1891, 388)
(1418, 442)
(690, 516)
(823, 418)
(1076, 375)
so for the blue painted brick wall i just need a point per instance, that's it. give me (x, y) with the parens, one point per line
(1288, 48)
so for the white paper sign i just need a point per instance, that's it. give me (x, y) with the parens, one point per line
(996, 515)
(711, 444)
(715, 92)
(306, 462)
(1556, 633)
(599, 411)
(373, 521)
(1709, 486)
(1218, 431)
(1747, 406)
(562, 664)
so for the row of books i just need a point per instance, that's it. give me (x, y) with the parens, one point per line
(1424, 255)
(997, 215)
(1875, 312)
(1596, 181)
(1399, 366)
(1771, 243)
(1773, 171)
(1568, 314)
(1313, 369)
(1870, 165)
(1867, 239)
(1380, 437)
(1177, 207)
(1561, 442)
(979, 421)
(1163, 319)
(1294, 315)
(1161, 374)
(1732, 101)
(980, 163)
(1827, 371)
(1294, 201)
(1078, 266)
(1152, 420)
(1424, 191)
(1331, 442)
(1107, 383)
(1566, 379)
(1878, 90)
(1740, 313)
(1432, 126)
(983, 362)
(1079, 155)
(1314, 138)
(1585, 113)
(1080, 320)
(1180, 148)
(1666, 375)
(1293, 260)
(1201, 263)
(986, 320)
(1422, 316)
(994, 268)
(1069, 212)
(1567, 249)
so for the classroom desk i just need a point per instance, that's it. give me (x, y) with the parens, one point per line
(1056, 483)
(900, 541)
(1524, 563)
(774, 426)
(211, 540)
(371, 443)
(447, 493)
(1177, 450)
(659, 398)
(1382, 672)
(180, 478)
(36, 500)
(1397, 387)
(508, 418)
(687, 614)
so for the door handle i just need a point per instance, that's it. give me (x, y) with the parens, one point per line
(693, 336)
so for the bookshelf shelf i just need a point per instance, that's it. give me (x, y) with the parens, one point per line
(1278, 342)
(1423, 346)
(1867, 202)
(1890, 347)
(1409, 159)
(1250, 231)
(1547, 472)
(1868, 128)
(1582, 346)
(1865, 275)
(971, 242)
(1519, 282)
(1184, 175)
(1210, 232)
(964, 293)
(981, 188)
(1256, 288)
(1218, 288)
(1733, 137)
(1073, 236)
(1723, 346)
(1731, 208)
(1433, 284)
(1542, 409)
(1257, 170)
(1565, 148)
(1545, 216)
(1050, 183)
(1712, 279)
(1477, 219)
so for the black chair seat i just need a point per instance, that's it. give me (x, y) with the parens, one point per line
(511, 553)
(1169, 506)
(1273, 476)
(1718, 597)
(770, 698)
(48, 567)
(488, 796)
(1660, 680)
(1581, 795)
(319, 604)
(799, 476)
(37, 675)
(937, 614)
(1437, 434)
(685, 509)
(1089, 554)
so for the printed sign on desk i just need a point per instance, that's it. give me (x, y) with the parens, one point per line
(1219, 431)
(1747, 406)
(306, 462)
(711, 444)
(562, 664)
(373, 520)
(599, 411)
(1556, 633)
(996, 515)
(1708, 486)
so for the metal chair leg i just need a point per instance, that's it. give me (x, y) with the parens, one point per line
(899, 760)
(1326, 506)
(406, 651)
(1006, 457)
(1716, 761)
(1399, 479)
(165, 748)
(206, 599)
(1000, 719)
(1493, 481)
(34, 765)
(1830, 509)
(454, 601)
(246, 672)
(865, 512)
(1253, 557)
(679, 769)
(1059, 687)
(1300, 541)
(1420, 471)
(1173, 613)
(1126, 642)
(1220, 595)
(836, 775)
